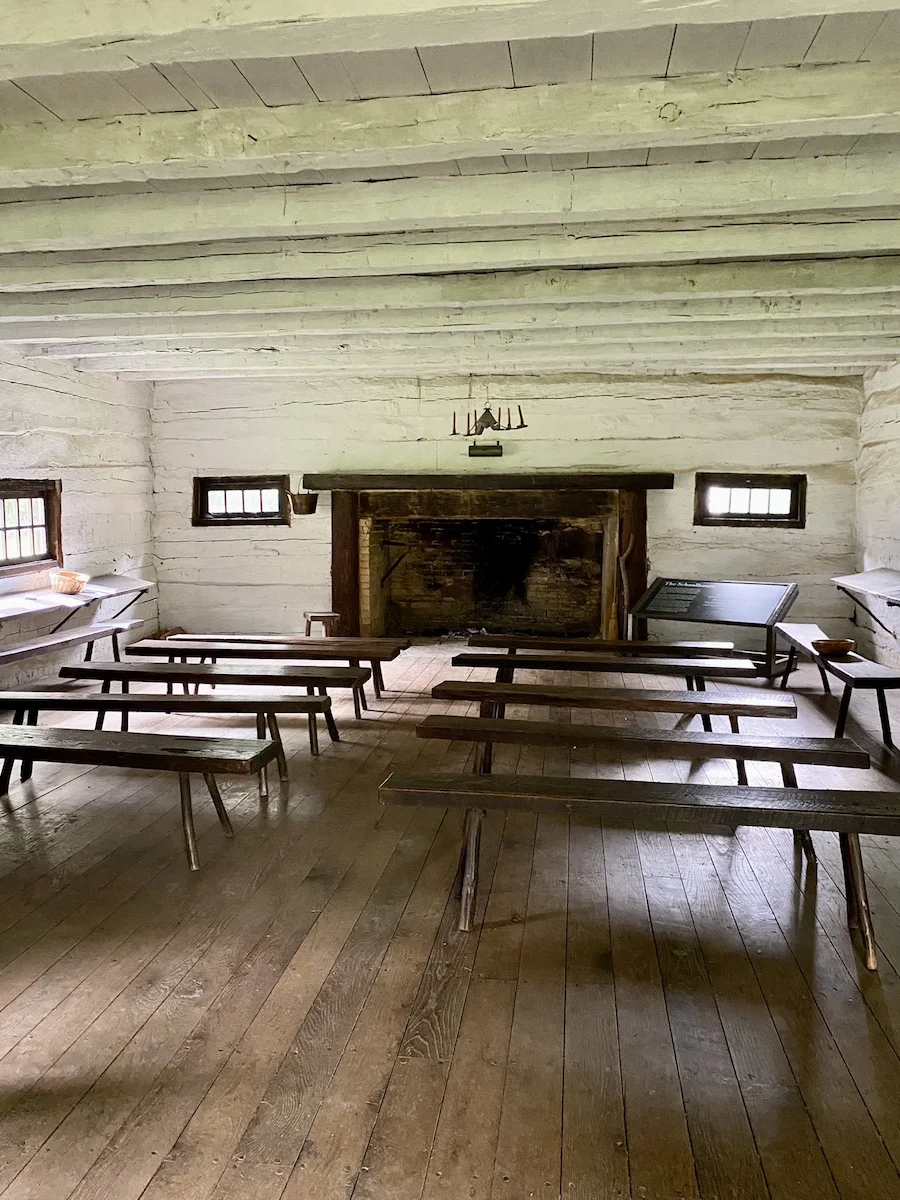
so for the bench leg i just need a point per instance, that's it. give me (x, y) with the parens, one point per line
(117, 654)
(329, 718)
(471, 842)
(101, 712)
(124, 722)
(802, 837)
(9, 763)
(222, 812)
(187, 822)
(484, 751)
(276, 738)
(308, 630)
(264, 771)
(28, 763)
(505, 674)
(860, 900)
(885, 717)
(696, 683)
(823, 674)
(89, 652)
(788, 667)
(361, 704)
(842, 711)
(313, 734)
(357, 708)
(741, 765)
(377, 680)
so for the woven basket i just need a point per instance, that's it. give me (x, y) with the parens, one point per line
(70, 583)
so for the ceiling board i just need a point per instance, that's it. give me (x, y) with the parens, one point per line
(489, 165)
(719, 152)
(386, 73)
(151, 88)
(80, 96)
(223, 83)
(17, 107)
(467, 68)
(327, 76)
(618, 158)
(707, 47)
(276, 80)
(182, 82)
(551, 60)
(885, 44)
(784, 148)
(633, 52)
(778, 43)
(813, 147)
(843, 37)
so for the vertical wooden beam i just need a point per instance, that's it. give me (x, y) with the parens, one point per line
(345, 561)
(632, 555)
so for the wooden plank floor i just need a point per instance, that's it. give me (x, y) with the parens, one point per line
(634, 1014)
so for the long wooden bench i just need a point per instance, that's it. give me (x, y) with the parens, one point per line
(849, 813)
(26, 706)
(374, 651)
(313, 677)
(146, 752)
(852, 670)
(695, 670)
(66, 639)
(514, 643)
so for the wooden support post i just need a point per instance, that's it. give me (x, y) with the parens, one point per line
(345, 561)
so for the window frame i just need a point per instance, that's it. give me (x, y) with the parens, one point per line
(50, 491)
(204, 484)
(795, 519)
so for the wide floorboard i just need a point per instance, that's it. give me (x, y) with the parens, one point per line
(635, 1014)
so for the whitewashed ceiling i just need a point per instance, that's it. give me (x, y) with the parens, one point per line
(717, 196)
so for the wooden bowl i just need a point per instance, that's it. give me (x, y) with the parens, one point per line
(833, 647)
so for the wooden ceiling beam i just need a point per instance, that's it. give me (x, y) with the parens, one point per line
(42, 38)
(715, 191)
(602, 116)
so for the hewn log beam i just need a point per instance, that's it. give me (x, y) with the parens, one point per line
(323, 258)
(753, 106)
(40, 38)
(709, 190)
(614, 285)
(650, 370)
(66, 334)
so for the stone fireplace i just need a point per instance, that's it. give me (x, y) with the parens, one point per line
(424, 555)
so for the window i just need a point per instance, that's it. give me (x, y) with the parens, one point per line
(242, 500)
(751, 500)
(29, 525)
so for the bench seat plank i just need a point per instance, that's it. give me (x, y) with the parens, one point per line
(722, 668)
(317, 648)
(144, 751)
(825, 752)
(493, 641)
(632, 800)
(263, 675)
(723, 703)
(155, 703)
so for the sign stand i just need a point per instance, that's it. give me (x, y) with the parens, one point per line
(722, 602)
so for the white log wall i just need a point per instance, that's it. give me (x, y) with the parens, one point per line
(878, 497)
(262, 579)
(92, 432)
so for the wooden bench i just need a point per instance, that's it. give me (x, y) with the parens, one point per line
(852, 670)
(27, 705)
(495, 641)
(326, 619)
(146, 752)
(84, 635)
(695, 670)
(849, 813)
(374, 651)
(313, 677)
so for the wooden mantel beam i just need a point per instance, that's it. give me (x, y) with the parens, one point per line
(752, 106)
(42, 38)
(623, 194)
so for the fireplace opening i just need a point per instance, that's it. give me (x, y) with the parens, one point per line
(539, 575)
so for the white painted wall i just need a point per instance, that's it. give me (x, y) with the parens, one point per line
(93, 433)
(259, 579)
(878, 496)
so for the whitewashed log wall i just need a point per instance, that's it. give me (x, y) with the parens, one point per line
(878, 496)
(258, 579)
(93, 433)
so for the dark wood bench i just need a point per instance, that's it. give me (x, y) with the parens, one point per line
(84, 635)
(497, 641)
(146, 752)
(852, 670)
(27, 705)
(314, 677)
(848, 813)
(695, 670)
(214, 646)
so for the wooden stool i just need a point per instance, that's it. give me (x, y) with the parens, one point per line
(326, 619)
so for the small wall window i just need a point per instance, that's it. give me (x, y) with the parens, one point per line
(29, 525)
(750, 500)
(242, 500)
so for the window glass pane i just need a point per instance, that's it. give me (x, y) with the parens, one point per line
(25, 512)
(270, 500)
(27, 543)
(759, 501)
(215, 502)
(740, 501)
(40, 540)
(717, 500)
(780, 502)
(252, 501)
(2, 547)
(12, 543)
(37, 511)
(11, 509)
(234, 501)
